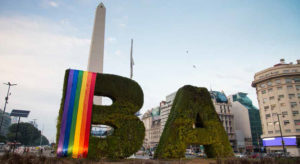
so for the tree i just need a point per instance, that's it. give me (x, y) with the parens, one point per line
(27, 134)
(2, 138)
(38, 141)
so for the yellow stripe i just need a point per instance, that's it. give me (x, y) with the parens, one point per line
(79, 115)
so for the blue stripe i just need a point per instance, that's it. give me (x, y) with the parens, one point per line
(70, 113)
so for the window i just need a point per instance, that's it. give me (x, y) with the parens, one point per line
(273, 107)
(279, 88)
(288, 80)
(282, 104)
(280, 96)
(298, 95)
(274, 114)
(297, 87)
(270, 132)
(285, 71)
(295, 113)
(288, 130)
(297, 79)
(263, 91)
(272, 98)
(264, 100)
(294, 70)
(291, 96)
(289, 87)
(268, 116)
(278, 81)
(286, 122)
(293, 104)
(270, 89)
(284, 113)
(263, 85)
(266, 108)
(270, 123)
(269, 83)
(277, 131)
(297, 122)
(297, 130)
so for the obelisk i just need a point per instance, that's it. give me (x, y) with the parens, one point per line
(95, 63)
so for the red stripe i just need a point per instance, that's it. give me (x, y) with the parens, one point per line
(89, 115)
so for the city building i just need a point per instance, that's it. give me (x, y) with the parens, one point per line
(223, 109)
(152, 123)
(247, 121)
(147, 120)
(278, 94)
(165, 109)
(6, 122)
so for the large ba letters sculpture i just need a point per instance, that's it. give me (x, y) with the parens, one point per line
(78, 112)
(193, 120)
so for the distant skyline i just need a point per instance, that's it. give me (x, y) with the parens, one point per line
(217, 44)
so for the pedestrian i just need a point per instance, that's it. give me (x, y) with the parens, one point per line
(41, 151)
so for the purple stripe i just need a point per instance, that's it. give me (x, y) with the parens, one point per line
(65, 113)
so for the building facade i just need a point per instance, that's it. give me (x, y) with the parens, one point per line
(6, 122)
(223, 108)
(165, 107)
(152, 123)
(247, 119)
(278, 94)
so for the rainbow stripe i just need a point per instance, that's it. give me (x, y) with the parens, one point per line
(77, 112)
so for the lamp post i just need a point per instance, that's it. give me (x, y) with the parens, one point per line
(6, 101)
(282, 141)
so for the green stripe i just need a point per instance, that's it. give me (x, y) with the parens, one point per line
(74, 117)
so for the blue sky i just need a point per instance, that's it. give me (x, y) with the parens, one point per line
(227, 41)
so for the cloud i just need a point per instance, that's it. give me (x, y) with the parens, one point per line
(122, 25)
(111, 39)
(35, 57)
(49, 4)
(53, 4)
(118, 52)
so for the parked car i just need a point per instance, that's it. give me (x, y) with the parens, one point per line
(239, 155)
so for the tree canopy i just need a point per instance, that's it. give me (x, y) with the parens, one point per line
(27, 134)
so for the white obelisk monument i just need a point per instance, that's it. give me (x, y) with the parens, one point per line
(95, 63)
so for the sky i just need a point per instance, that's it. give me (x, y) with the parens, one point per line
(213, 43)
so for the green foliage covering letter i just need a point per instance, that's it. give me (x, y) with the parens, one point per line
(193, 120)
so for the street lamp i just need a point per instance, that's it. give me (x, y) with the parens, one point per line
(6, 101)
(282, 141)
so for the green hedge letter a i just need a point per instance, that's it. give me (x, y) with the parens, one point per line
(193, 120)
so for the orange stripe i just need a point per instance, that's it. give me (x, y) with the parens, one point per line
(84, 115)
(89, 116)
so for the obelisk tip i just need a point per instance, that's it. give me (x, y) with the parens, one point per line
(101, 5)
